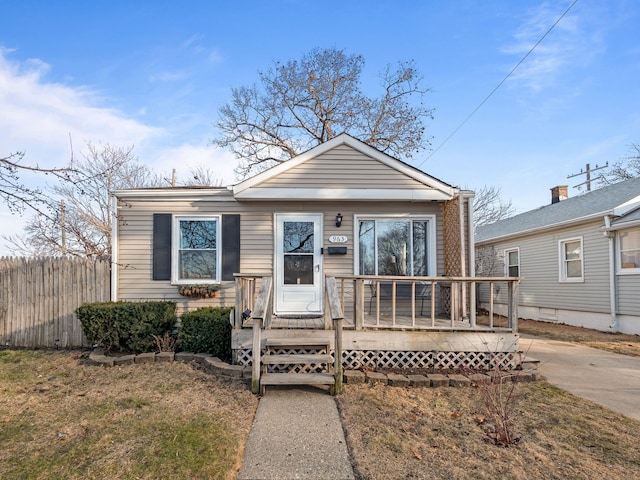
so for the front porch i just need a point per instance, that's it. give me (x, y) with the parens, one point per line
(368, 329)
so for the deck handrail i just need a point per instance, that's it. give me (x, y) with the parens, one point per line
(334, 305)
(458, 299)
(353, 298)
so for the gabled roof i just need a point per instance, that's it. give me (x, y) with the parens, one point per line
(265, 185)
(621, 200)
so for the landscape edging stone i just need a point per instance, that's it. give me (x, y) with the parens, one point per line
(215, 366)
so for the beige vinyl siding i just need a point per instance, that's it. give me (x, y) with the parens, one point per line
(135, 230)
(343, 168)
(539, 265)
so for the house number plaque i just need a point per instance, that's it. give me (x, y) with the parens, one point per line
(338, 239)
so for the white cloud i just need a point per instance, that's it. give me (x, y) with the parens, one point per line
(39, 117)
(169, 77)
(42, 118)
(571, 44)
(187, 156)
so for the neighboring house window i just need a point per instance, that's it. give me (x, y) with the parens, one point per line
(512, 262)
(629, 251)
(396, 246)
(571, 260)
(196, 256)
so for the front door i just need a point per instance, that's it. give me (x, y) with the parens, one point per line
(298, 264)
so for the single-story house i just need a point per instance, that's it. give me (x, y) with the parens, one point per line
(344, 225)
(579, 258)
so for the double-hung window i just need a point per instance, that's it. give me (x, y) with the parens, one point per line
(196, 252)
(396, 246)
(571, 264)
(629, 251)
(512, 262)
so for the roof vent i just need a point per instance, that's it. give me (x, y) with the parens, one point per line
(559, 193)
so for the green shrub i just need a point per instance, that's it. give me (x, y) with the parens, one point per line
(207, 330)
(126, 326)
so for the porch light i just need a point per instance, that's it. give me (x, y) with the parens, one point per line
(338, 219)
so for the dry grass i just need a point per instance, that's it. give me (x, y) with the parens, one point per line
(430, 433)
(447, 433)
(61, 418)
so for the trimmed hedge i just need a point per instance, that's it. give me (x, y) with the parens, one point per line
(126, 326)
(206, 330)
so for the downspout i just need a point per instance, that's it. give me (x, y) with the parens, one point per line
(463, 256)
(472, 259)
(612, 273)
(114, 249)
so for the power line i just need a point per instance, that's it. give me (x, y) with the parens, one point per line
(499, 84)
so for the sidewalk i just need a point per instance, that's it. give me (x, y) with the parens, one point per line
(296, 434)
(610, 379)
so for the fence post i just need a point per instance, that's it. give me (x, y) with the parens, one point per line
(513, 305)
(256, 355)
(337, 326)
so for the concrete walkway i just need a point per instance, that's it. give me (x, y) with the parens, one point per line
(296, 434)
(610, 379)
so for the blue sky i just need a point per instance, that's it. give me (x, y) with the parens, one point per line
(154, 74)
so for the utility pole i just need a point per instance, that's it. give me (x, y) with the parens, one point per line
(587, 172)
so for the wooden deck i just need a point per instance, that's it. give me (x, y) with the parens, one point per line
(389, 334)
(386, 322)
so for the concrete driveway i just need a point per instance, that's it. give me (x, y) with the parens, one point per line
(610, 379)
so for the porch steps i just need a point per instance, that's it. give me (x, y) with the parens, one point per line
(297, 342)
(272, 357)
(297, 379)
(297, 359)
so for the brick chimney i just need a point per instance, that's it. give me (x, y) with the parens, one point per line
(559, 193)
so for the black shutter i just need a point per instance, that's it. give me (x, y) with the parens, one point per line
(162, 246)
(230, 246)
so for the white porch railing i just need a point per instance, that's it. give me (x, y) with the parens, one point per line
(395, 302)
(392, 302)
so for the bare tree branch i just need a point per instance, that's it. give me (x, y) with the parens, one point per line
(301, 103)
(76, 216)
(16, 194)
(489, 207)
(202, 176)
(623, 169)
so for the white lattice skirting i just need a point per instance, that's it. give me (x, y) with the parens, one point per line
(355, 359)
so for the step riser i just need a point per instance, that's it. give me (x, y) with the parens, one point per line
(319, 361)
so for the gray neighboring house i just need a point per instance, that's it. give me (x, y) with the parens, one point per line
(579, 259)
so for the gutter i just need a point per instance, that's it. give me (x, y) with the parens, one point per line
(114, 249)
(613, 294)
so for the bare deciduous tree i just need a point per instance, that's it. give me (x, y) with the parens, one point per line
(623, 169)
(202, 176)
(489, 207)
(80, 214)
(299, 104)
(16, 194)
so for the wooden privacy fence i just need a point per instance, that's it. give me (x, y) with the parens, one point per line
(39, 296)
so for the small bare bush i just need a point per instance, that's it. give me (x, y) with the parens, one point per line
(500, 399)
(165, 343)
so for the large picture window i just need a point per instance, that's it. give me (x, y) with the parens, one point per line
(571, 267)
(196, 255)
(394, 246)
(629, 251)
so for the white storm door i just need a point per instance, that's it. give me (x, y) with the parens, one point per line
(298, 263)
